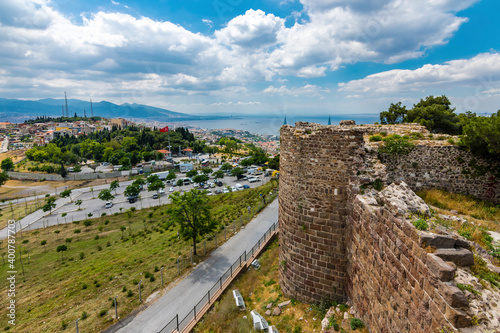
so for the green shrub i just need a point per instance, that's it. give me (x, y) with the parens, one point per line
(356, 323)
(396, 145)
(378, 184)
(102, 313)
(421, 224)
(375, 138)
(84, 315)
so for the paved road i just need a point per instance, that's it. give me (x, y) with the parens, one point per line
(91, 204)
(184, 296)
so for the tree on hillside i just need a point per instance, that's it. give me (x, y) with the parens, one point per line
(78, 203)
(66, 193)
(192, 212)
(394, 115)
(114, 185)
(435, 114)
(481, 134)
(105, 195)
(274, 163)
(7, 164)
(62, 248)
(3, 177)
(49, 204)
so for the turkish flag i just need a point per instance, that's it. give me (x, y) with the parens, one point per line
(164, 129)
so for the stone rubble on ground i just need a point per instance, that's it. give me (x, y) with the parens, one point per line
(402, 201)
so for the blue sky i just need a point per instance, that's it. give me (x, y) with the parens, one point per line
(254, 57)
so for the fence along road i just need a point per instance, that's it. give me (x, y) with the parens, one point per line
(181, 299)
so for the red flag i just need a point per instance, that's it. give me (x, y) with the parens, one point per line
(164, 129)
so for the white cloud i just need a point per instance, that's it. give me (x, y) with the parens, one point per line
(210, 23)
(306, 90)
(481, 71)
(254, 30)
(139, 55)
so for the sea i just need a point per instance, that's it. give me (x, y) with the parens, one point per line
(270, 125)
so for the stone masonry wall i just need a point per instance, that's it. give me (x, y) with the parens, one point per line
(389, 280)
(315, 166)
(444, 167)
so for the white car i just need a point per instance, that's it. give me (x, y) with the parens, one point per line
(233, 189)
(161, 191)
(225, 190)
(253, 179)
(109, 204)
(171, 189)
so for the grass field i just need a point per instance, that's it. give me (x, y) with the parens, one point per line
(103, 260)
(259, 288)
(481, 216)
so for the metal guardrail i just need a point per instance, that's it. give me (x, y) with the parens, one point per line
(176, 325)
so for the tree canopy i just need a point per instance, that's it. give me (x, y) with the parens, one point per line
(481, 134)
(192, 212)
(435, 113)
(7, 164)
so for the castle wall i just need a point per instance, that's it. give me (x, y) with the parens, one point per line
(444, 167)
(315, 166)
(389, 280)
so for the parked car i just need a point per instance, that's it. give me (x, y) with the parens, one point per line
(233, 189)
(109, 204)
(161, 191)
(246, 186)
(218, 191)
(155, 196)
(253, 179)
(239, 187)
(225, 190)
(171, 189)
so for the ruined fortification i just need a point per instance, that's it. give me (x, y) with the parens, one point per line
(337, 243)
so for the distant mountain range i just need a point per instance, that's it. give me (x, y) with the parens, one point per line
(15, 110)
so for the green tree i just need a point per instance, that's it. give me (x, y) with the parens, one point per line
(78, 203)
(62, 248)
(192, 212)
(156, 185)
(62, 171)
(132, 190)
(3, 177)
(481, 135)
(191, 173)
(49, 204)
(180, 183)
(66, 193)
(7, 164)
(226, 167)
(395, 114)
(206, 171)
(274, 163)
(114, 185)
(200, 179)
(105, 195)
(171, 175)
(435, 114)
(237, 172)
(219, 174)
(77, 168)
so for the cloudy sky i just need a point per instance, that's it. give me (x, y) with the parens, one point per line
(253, 57)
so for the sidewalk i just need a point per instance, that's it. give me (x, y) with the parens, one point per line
(184, 296)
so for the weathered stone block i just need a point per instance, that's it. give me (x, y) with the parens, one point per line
(443, 271)
(452, 295)
(461, 257)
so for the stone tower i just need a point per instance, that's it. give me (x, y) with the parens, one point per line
(316, 164)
